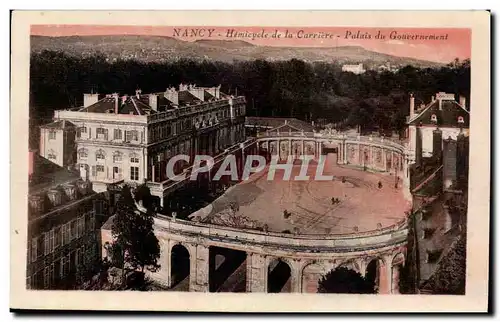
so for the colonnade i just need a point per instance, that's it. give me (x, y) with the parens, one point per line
(304, 272)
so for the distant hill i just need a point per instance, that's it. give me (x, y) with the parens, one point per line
(159, 48)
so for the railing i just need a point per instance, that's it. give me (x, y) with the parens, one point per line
(179, 179)
(86, 116)
(334, 136)
(385, 236)
(187, 110)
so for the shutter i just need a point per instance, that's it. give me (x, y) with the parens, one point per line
(93, 171)
(90, 133)
(106, 134)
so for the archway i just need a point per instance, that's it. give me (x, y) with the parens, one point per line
(397, 265)
(279, 276)
(227, 270)
(344, 280)
(180, 268)
(311, 274)
(372, 276)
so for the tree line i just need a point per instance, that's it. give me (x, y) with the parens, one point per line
(294, 88)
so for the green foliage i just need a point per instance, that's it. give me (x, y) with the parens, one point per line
(133, 235)
(344, 280)
(293, 88)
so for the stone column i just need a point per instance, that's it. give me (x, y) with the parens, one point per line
(198, 280)
(385, 275)
(296, 278)
(164, 275)
(384, 158)
(256, 273)
(302, 153)
(392, 162)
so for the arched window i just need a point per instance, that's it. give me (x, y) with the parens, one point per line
(83, 153)
(434, 118)
(460, 119)
(117, 156)
(100, 155)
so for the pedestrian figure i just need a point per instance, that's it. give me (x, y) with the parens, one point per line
(380, 184)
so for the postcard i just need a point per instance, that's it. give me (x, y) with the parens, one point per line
(200, 161)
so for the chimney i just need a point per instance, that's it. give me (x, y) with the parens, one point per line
(153, 101)
(89, 99)
(462, 101)
(172, 95)
(115, 95)
(124, 99)
(138, 93)
(437, 144)
(418, 146)
(198, 92)
(433, 98)
(412, 106)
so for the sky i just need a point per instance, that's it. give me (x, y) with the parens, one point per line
(453, 43)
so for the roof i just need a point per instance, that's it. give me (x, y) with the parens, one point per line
(126, 105)
(185, 97)
(447, 116)
(47, 174)
(278, 123)
(59, 125)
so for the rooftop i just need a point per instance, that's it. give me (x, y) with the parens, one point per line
(446, 110)
(47, 174)
(279, 123)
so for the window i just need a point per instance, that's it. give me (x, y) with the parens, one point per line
(117, 157)
(99, 168)
(46, 277)
(80, 226)
(80, 131)
(91, 222)
(57, 237)
(34, 249)
(64, 266)
(117, 173)
(46, 242)
(460, 119)
(102, 133)
(52, 155)
(83, 153)
(117, 134)
(52, 135)
(28, 283)
(134, 159)
(73, 233)
(65, 234)
(100, 155)
(131, 136)
(134, 173)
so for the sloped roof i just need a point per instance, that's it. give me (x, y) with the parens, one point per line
(47, 174)
(60, 125)
(278, 123)
(131, 105)
(447, 115)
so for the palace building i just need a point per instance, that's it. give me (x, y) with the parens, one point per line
(130, 138)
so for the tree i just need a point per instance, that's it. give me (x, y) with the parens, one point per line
(344, 280)
(134, 238)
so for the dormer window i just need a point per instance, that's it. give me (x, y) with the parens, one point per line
(461, 119)
(434, 118)
(55, 197)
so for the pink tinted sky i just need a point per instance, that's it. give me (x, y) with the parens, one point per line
(457, 44)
